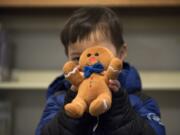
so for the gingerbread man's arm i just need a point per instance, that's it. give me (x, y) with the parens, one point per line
(72, 73)
(114, 68)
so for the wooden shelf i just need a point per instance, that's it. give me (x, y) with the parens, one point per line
(28, 80)
(160, 80)
(39, 80)
(77, 3)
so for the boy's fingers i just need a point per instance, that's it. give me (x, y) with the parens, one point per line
(115, 82)
(114, 88)
(114, 85)
(73, 88)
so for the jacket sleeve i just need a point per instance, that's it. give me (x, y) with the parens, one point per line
(54, 121)
(123, 119)
(148, 109)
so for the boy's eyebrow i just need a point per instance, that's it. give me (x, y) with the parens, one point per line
(76, 53)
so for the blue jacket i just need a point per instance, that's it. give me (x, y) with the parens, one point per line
(144, 106)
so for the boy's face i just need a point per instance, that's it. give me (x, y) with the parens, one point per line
(75, 50)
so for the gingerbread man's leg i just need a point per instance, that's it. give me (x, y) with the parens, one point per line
(101, 104)
(76, 108)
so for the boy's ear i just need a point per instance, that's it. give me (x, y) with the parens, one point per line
(122, 54)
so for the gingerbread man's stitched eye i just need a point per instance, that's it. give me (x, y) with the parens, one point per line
(88, 55)
(96, 54)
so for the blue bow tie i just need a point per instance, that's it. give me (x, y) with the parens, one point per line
(96, 68)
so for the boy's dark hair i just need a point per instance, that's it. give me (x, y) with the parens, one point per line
(91, 19)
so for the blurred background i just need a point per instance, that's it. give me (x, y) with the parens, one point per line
(31, 55)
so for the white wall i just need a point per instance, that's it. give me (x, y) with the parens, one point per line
(153, 39)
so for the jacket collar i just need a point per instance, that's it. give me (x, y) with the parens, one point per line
(130, 79)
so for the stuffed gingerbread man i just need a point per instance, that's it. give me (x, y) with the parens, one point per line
(97, 65)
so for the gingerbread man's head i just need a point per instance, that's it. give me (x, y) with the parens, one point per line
(97, 54)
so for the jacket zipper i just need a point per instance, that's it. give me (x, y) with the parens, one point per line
(96, 125)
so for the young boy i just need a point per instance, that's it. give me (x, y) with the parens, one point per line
(132, 112)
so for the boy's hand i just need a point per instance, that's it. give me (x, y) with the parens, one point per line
(114, 85)
(73, 88)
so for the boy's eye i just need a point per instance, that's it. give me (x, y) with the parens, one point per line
(75, 58)
(96, 54)
(88, 55)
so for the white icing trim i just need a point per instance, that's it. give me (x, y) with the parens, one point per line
(114, 70)
(105, 104)
(72, 72)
